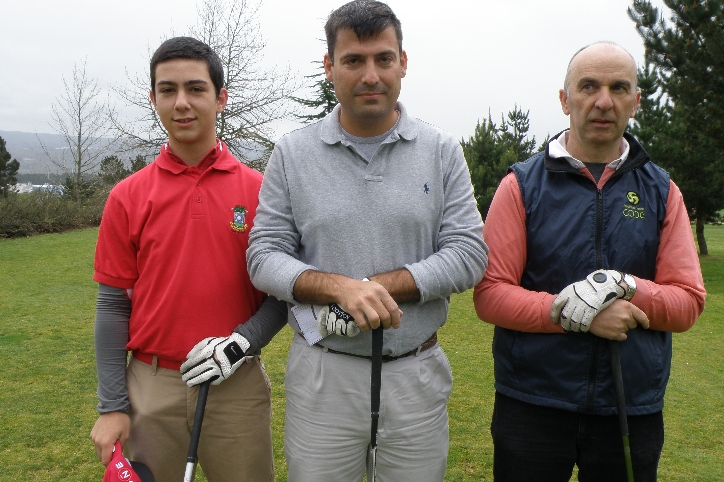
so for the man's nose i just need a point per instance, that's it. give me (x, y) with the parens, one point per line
(182, 102)
(604, 101)
(370, 77)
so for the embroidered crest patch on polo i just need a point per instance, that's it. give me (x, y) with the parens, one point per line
(238, 225)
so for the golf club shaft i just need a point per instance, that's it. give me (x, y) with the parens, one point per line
(376, 384)
(621, 404)
(196, 432)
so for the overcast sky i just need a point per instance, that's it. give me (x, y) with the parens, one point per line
(465, 56)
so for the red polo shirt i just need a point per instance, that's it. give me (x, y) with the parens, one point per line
(177, 236)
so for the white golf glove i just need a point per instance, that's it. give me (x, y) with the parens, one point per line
(214, 359)
(333, 320)
(579, 302)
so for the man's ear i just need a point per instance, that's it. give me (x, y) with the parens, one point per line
(221, 100)
(152, 96)
(403, 64)
(328, 64)
(563, 97)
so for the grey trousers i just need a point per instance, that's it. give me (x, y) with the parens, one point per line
(328, 416)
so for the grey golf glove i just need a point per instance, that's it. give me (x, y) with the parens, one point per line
(333, 320)
(578, 303)
(214, 359)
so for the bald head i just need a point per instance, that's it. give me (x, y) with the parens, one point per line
(600, 96)
(596, 52)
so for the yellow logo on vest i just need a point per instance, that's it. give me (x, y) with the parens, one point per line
(238, 225)
(631, 209)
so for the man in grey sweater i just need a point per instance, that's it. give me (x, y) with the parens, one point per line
(367, 193)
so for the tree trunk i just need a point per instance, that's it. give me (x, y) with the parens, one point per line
(703, 250)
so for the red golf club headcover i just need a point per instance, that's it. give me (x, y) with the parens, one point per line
(119, 469)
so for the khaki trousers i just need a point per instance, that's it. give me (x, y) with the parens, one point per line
(235, 444)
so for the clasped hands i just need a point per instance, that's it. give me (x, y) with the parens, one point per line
(583, 305)
(365, 305)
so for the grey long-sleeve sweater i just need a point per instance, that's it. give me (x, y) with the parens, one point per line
(323, 207)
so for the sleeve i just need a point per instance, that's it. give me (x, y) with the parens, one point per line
(499, 299)
(113, 310)
(115, 258)
(272, 257)
(462, 254)
(264, 324)
(676, 296)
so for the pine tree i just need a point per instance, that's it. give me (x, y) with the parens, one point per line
(8, 169)
(492, 149)
(138, 163)
(682, 111)
(325, 98)
(112, 170)
(691, 157)
(688, 55)
(514, 134)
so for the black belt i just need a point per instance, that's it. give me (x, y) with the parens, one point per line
(427, 344)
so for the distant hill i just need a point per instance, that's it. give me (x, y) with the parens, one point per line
(40, 178)
(26, 148)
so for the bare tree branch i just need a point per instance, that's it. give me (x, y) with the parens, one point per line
(144, 134)
(82, 119)
(258, 96)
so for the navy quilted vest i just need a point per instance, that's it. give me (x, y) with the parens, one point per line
(572, 230)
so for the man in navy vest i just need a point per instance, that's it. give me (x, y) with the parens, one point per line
(589, 241)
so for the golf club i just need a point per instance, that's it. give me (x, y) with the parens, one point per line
(376, 385)
(196, 432)
(621, 403)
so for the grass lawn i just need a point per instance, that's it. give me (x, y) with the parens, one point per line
(47, 380)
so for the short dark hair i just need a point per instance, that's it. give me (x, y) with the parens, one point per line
(367, 18)
(188, 48)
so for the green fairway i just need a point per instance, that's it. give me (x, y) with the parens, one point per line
(47, 381)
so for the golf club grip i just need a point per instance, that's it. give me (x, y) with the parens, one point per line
(198, 420)
(618, 386)
(376, 382)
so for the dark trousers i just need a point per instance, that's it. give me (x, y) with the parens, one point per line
(541, 444)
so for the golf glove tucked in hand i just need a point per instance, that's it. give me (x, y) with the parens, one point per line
(333, 320)
(214, 359)
(578, 303)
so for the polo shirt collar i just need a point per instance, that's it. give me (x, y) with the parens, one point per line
(217, 158)
(557, 148)
(332, 130)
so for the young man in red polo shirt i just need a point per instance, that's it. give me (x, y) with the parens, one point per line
(173, 286)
